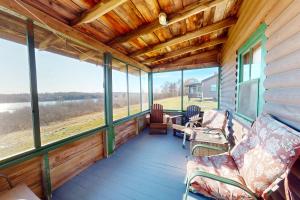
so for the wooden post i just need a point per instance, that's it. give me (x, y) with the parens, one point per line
(127, 82)
(182, 89)
(141, 98)
(219, 86)
(46, 177)
(150, 88)
(33, 84)
(110, 136)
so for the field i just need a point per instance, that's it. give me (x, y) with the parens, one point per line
(19, 141)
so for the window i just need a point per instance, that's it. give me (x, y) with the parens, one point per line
(200, 88)
(71, 98)
(167, 89)
(16, 132)
(119, 84)
(250, 76)
(134, 90)
(144, 84)
(213, 88)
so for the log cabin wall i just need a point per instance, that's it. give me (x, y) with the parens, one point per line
(283, 56)
(251, 14)
(282, 72)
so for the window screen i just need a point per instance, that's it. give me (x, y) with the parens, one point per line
(248, 98)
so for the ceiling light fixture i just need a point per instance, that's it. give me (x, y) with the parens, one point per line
(162, 17)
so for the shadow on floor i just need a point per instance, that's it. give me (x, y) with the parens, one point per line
(148, 167)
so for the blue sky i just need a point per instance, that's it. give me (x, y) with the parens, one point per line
(57, 73)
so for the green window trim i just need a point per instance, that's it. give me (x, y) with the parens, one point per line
(257, 37)
(182, 109)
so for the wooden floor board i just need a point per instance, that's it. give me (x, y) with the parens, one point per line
(148, 167)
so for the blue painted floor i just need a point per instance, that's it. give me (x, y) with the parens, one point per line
(148, 167)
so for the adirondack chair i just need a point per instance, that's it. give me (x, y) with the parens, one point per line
(252, 169)
(191, 116)
(157, 125)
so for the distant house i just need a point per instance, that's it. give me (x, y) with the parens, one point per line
(206, 89)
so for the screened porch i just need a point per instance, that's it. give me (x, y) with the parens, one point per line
(149, 99)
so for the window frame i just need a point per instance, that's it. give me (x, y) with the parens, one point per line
(38, 149)
(130, 116)
(257, 37)
(218, 88)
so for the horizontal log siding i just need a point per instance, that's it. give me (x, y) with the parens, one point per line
(251, 15)
(282, 83)
(228, 83)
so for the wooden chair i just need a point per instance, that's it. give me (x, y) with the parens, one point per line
(157, 124)
(253, 168)
(191, 116)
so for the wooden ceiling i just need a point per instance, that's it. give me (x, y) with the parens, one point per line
(194, 34)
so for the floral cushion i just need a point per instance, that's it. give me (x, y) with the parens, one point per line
(214, 119)
(264, 154)
(221, 165)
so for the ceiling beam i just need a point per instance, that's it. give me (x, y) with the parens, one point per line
(64, 30)
(187, 12)
(87, 55)
(97, 11)
(188, 36)
(48, 42)
(205, 57)
(172, 67)
(185, 50)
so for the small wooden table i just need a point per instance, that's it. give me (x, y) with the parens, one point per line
(19, 192)
(214, 138)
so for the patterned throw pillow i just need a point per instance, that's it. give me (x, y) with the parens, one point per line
(265, 153)
(214, 119)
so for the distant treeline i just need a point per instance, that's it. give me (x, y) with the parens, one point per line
(66, 96)
(57, 96)
(21, 119)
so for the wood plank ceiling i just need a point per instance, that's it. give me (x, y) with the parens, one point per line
(132, 27)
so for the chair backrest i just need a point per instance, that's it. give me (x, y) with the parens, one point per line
(157, 114)
(264, 154)
(215, 119)
(192, 110)
(235, 130)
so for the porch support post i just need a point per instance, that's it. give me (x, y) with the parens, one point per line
(46, 177)
(33, 84)
(150, 88)
(219, 86)
(110, 135)
(182, 89)
(127, 82)
(141, 95)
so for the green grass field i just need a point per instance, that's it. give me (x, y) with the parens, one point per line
(20, 141)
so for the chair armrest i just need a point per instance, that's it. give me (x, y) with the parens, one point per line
(206, 146)
(195, 119)
(219, 179)
(175, 116)
(7, 180)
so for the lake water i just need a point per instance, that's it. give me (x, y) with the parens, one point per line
(11, 107)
